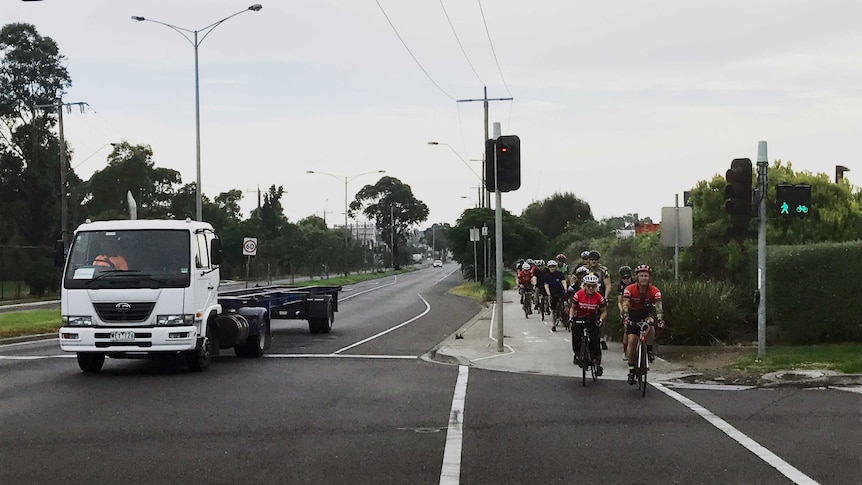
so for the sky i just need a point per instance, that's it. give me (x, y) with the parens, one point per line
(625, 104)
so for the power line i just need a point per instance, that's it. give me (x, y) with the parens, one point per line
(492, 48)
(411, 53)
(459, 43)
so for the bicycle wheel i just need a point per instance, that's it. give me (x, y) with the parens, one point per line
(643, 367)
(542, 308)
(585, 356)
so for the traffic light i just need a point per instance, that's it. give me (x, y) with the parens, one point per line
(507, 150)
(737, 194)
(793, 200)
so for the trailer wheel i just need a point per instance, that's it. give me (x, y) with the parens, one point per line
(91, 361)
(255, 345)
(322, 325)
(201, 357)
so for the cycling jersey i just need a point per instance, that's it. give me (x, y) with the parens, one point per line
(587, 305)
(640, 303)
(525, 277)
(540, 279)
(555, 281)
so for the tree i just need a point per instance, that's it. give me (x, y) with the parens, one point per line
(437, 238)
(553, 215)
(393, 207)
(31, 74)
(131, 169)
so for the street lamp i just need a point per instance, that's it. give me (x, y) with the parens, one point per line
(196, 43)
(346, 180)
(839, 172)
(481, 182)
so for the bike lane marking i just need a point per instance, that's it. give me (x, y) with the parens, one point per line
(759, 450)
(450, 473)
(396, 327)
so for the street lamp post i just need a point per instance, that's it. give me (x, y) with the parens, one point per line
(195, 42)
(346, 179)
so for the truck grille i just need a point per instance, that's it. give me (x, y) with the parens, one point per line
(136, 312)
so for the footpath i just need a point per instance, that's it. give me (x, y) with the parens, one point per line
(529, 346)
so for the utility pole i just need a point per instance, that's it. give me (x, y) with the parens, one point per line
(485, 99)
(64, 202)
(762, 183)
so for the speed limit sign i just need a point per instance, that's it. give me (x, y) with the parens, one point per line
(249, 246)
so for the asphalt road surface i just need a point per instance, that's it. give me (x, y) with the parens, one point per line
(365, 404)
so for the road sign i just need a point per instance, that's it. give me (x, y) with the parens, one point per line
(669, 224)
(474, 233)
(249, 246)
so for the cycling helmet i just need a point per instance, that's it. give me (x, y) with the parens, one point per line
(529, 261)
(561, 257)
(625, 271)
(581, 271)
(540, 262)
(585, 254)
(643, 267)
(525, 266)
(591, 279)
(552, 263)
(594, 254)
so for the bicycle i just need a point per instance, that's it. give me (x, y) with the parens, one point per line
(527, 303)
(543, 306)
(560, 315)
(585, 355)
(642, 367)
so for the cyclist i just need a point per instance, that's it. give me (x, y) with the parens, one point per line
(585, 259)
(525, 284)
(539, 281)
(563, 266)
(625, 280)
(639, 299)
(555, 288)
(604, 275)
(588, 308)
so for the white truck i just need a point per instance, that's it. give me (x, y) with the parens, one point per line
(149, 289)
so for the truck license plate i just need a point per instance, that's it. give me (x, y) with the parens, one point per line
(124, 336)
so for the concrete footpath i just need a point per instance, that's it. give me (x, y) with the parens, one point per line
(529, 346)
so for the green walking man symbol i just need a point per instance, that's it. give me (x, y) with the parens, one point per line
(785, 208)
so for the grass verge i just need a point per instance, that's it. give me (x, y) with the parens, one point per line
(844, 358)
(29, 322)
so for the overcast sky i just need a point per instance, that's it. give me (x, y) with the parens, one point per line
(622, 103)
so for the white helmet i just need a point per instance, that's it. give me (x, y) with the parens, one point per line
(591, 279)
(552, 263)
(525, 266)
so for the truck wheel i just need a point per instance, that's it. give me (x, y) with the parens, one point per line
(91, 361)
(255, 345)
(201, 357)
(322, 325)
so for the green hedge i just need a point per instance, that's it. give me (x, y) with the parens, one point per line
(813, 292)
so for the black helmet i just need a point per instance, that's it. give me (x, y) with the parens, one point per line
(625, 271)
(594, 254)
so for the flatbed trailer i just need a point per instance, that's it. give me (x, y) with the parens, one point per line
(317, 303)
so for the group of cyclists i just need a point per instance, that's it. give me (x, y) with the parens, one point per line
(579, 298)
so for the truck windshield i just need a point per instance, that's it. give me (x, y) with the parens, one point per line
(149, 258)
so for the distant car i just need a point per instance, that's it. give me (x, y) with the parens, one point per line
(437, 263)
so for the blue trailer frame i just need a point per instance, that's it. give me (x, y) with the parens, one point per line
(317, 304)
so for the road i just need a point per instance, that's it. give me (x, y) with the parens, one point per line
(366, 404)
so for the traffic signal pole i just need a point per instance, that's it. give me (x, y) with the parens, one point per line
(762, 184)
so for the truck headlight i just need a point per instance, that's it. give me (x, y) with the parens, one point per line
(174, 320)
(77, 320)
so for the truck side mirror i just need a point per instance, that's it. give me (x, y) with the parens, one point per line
(59, 253)
(215, 252)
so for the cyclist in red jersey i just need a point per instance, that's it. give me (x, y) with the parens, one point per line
(639, 299)
(525, 283)
(588, 307)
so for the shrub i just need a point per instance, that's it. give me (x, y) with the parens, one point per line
(703, 312)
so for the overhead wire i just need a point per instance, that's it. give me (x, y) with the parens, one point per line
(459, 43)
(494, 52)
(411, 53)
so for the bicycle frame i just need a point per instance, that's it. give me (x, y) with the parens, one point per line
(642, 367)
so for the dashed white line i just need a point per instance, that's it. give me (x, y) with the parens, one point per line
(764, 454)
(450, 474)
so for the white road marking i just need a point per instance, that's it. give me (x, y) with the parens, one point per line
(707, 387)
(857, 389)
(396, 327)
(340, 356)
(36, 357)
(764, 454)
(28, 342)
(450, 474)
(394, 280)
(447, 275)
